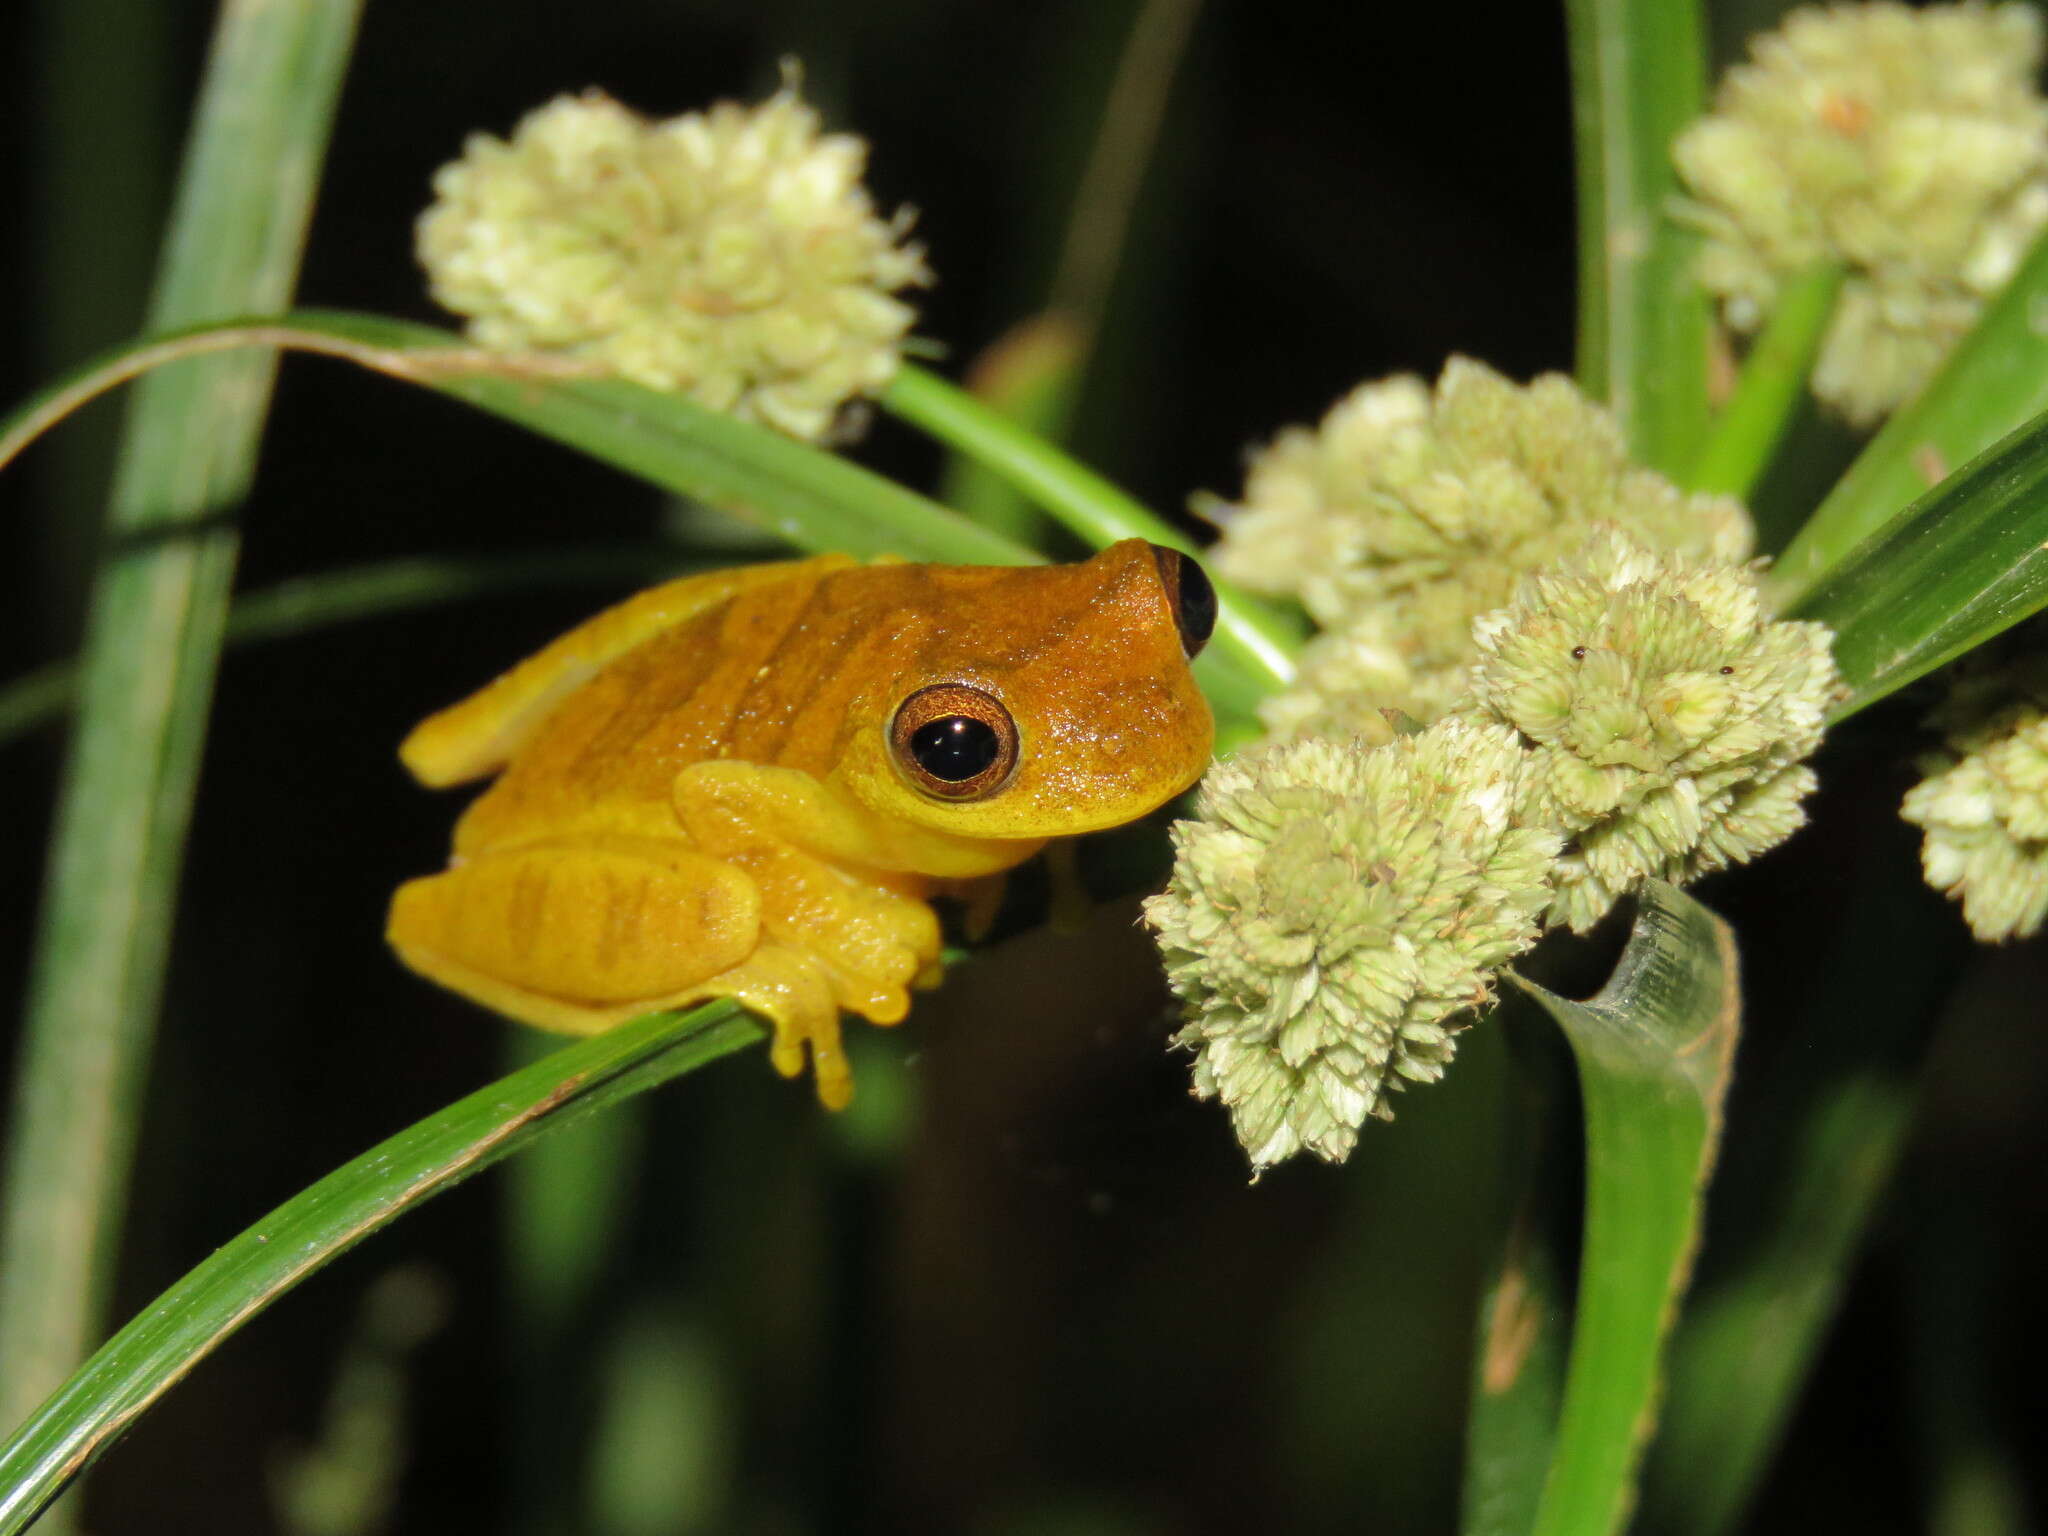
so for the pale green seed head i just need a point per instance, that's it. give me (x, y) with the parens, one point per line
(732, 255)
(1665, 716)
(1408, 512)
(1909, 145)
(1333, 908)
(1984, 801)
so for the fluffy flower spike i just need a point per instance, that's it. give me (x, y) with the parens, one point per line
(1332, 910)
(1407, 513)
(1910, 145)
(1984, 802)
(732, 254)
(1665, 715)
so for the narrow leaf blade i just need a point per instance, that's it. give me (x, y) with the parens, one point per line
(249, 1272)
(1654, 1050)
(1965, 562)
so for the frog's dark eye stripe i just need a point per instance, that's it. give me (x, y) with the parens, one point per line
(954, 742)
(1190, 596)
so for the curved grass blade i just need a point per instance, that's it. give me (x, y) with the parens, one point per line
(152, 642)
(789, 490)
(309, 603)
(1965, 562)
(249, 1272)
(1654, 1050)
(1994, 381)
(1638, 77)
(1031, 374)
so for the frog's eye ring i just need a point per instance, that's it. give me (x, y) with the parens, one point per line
(1190, 596)
(954, 742)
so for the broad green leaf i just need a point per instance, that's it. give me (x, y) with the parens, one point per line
(1995, 380)
(1638, 77)
(1965, 562)
(249, 1272)
(1654, 1050)
(152, 641)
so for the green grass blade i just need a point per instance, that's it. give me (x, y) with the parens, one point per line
(249, 1272)
(309, 603)
(1962, 564)
(789, 490)
(1032, 375)
(1773, 381)
(1995, 380)
(152, 640)
(1638, 77)
(1654, 1050)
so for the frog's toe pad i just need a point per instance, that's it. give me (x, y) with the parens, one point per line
(794, 992)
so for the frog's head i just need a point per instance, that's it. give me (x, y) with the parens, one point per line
(1043, 701)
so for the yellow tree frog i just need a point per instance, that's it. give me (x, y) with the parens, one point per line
(746, 784)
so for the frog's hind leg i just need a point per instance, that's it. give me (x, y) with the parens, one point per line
(580, 936)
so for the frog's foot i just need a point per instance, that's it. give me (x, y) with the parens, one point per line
(795, 992)
(873, 940)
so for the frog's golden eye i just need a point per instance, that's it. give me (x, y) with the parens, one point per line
(1190, 596)
(954, 742)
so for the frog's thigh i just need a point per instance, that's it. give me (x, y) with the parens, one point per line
(579, 935)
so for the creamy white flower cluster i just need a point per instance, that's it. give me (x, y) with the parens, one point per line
(1666, 715)
(1908, 145)
(1409, 512)
(1984, 801)
(1336, 905)
(733, 255)
(1332, 909)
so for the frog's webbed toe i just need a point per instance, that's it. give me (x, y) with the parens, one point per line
(794, 991)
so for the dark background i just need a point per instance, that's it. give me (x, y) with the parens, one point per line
(1047, 1299)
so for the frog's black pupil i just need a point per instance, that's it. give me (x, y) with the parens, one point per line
(954, 748)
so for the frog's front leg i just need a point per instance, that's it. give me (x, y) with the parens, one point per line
(825, 886)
